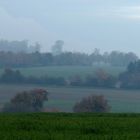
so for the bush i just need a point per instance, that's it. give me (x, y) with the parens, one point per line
(27, 101)
(92, 103)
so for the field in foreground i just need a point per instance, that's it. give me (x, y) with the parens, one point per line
(69, 126)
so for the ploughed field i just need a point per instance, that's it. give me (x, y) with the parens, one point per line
(60, 126)
(64, 98)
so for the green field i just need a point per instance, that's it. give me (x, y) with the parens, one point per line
(67, 71)
(64, 98)
(69, 126)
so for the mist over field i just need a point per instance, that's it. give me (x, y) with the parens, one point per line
(69, 44)
(69, 69)
(82, 24)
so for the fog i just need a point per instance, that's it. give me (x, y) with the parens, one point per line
(82, 24)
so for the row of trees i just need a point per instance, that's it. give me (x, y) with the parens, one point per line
(22, 59)
(100, 79)
(128, 79)
(15, 77)
(18, 46)
(131, 77)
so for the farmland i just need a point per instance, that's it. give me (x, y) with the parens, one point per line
(69, 126)
(67, 71)
(64, 98)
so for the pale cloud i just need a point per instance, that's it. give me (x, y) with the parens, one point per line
(124, 12)
(105, 12)
(130, 12)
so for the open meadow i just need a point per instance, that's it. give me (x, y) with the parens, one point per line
(67, 71)
(64, 98)
(60, 126)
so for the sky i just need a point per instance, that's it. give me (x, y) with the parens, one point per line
(82, 24)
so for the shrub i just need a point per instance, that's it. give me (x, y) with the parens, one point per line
(92, 103)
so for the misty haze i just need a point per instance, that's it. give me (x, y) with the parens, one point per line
(69, 69)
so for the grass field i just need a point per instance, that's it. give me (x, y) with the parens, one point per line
(64, 99)
(69, 126)
(67, 71)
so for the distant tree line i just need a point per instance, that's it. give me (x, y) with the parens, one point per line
(15, 77)
(131, 77)
(100, 79)
(21, 54)
(18, 46)
(35, 59)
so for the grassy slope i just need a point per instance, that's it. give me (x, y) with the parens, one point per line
(67, 71)
(70, 127)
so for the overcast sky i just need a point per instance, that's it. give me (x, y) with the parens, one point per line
(82, 24)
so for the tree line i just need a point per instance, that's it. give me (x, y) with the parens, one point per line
(36, 59)
(127, 79)
(100, 79)
(22, 54)
(131, 77)
(18, 46)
